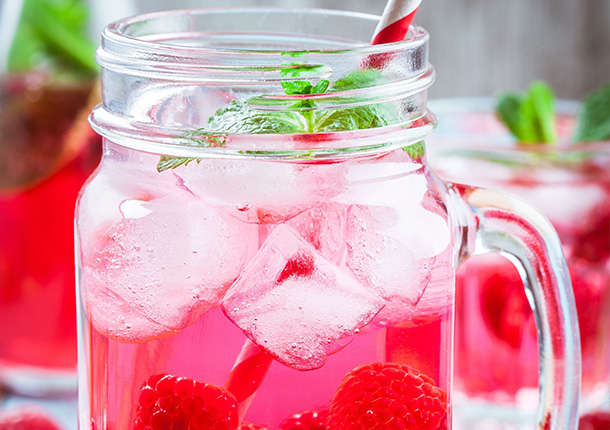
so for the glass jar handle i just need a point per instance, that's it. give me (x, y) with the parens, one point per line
(506, 224)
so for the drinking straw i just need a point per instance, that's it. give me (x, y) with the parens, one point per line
(247, 375)
(252, 363)
(395, 21)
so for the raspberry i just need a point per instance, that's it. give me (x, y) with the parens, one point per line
(595, 421)
(26, 418)
(380, 396)
(170, 403)
(299, 265)
(308, 420)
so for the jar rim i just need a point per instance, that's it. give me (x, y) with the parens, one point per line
(189, 49)
(157, 44)
(122, 31)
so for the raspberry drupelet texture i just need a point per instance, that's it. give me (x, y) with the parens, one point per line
(382, 396)
(171, 403)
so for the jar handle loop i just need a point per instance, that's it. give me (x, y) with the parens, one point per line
(507, 224)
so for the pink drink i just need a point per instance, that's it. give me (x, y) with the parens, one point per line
(303, 289)
(572, 188)
(263, 246)
(46, 153)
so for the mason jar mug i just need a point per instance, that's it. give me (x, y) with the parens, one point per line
(264, 245)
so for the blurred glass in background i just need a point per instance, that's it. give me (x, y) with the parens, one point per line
(47, 150)
(569, 181)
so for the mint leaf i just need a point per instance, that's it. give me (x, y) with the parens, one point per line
(539, 106)
(55, 32)
(196, 137)
(594, 119)
(359, 79)
(508, 109)
(168, 162)
(300, 70)
(305, 88)
(529, 117)
(239, 118)
(320, 87)
(346, 119)
(297, 87)
(415, 151)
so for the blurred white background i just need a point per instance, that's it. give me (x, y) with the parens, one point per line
(478, 47)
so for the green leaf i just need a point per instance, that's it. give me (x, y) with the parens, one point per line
(359, 79)
(195, 137)
(539, 105)
(297, 87)
(239, 118)
(358, 118)
(415, 151)
(320, 87)
(167, 162)
(509, 111)
(594, 119)
(300, 70)
(529, 117)
(53, 32)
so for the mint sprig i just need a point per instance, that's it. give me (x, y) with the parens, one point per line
(530, 117)
(53, 32)
(241, 117)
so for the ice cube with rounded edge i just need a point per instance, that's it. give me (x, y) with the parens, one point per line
(297, 305)
(114, 317)
(382, 181)
(99, 203)
(391, 247)
(262, 192)
(161, 266)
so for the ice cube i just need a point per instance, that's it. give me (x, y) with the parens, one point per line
(162, 265)
(114, 317)
(392, 247)
(297, 305)
(387, 180)
(324, 228)
(118, 178)
(259, 191)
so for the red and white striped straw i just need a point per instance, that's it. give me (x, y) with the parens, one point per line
(395, 21)
(247, 375)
